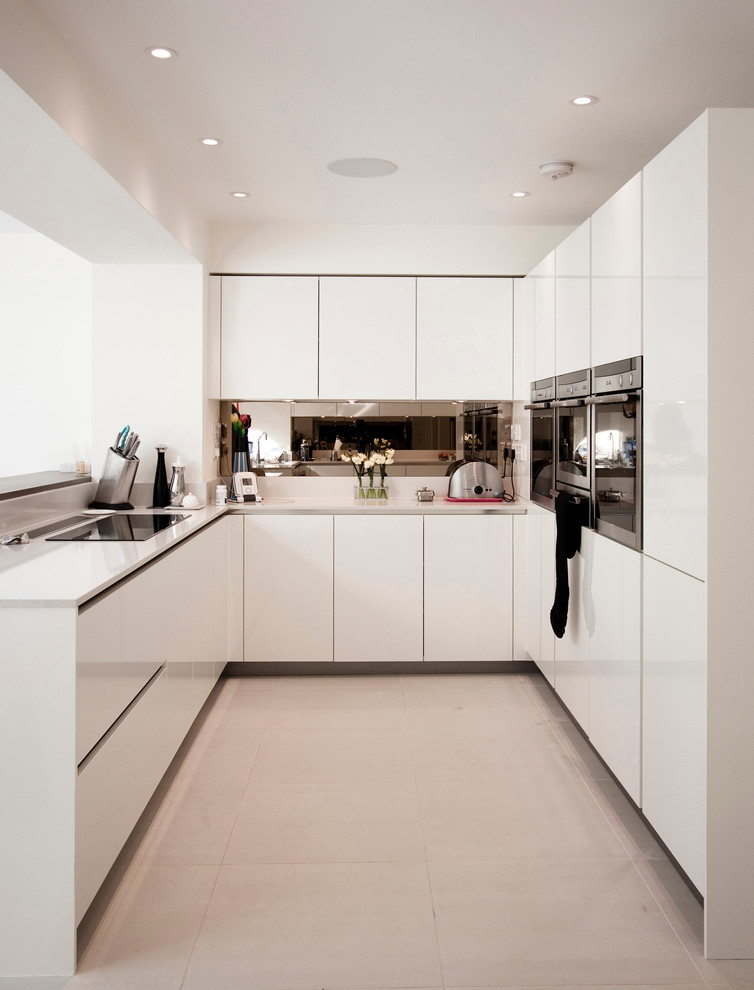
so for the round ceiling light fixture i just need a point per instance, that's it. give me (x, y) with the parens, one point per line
(160, 51)
(519, 194)
(555, 170)
(362, 168)
(583, 101)
(210, 142)
(239, 195)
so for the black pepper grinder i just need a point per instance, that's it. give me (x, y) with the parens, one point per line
(161, 490)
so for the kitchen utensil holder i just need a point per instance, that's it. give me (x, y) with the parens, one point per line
(116, 481)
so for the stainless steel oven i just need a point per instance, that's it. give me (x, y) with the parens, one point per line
(542, 476)
(616, 453)
(572, 435)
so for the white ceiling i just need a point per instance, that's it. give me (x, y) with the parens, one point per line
(467, 97)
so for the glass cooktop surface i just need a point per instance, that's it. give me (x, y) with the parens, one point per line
(129, 527)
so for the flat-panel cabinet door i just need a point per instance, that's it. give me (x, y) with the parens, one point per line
(269, 337)
(378, 588)
(533, 633)
(572, 650)
(464, 338)
(543, 318)
(675, 353)
(468, 588)
(367, 329)
(572, 302)
(288, 588)
(674, 716)
(614, 621)
(546, 660)
(616, 276)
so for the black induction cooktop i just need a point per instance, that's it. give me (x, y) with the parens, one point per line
(126, 527)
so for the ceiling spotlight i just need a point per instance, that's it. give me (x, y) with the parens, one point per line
(159, 51)
(240, 195)
(362, 168)
(555, 170)
(583, 101)
(210, 142)
(519, 194)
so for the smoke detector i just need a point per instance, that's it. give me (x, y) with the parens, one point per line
(555, 170)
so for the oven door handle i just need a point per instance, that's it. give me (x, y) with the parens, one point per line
(570, 403)
(538, 405)
(601, 400)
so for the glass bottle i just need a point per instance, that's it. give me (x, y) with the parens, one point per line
(161, 490)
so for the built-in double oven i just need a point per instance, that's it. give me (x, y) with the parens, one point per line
(586, 440)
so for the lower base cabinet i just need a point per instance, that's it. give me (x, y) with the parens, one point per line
(571, 676)
(615, 659)
(369, 587)
(468, 588)
(288, 588)
(378, 588)
(674, 754)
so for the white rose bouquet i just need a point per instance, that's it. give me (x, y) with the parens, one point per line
(358, 463)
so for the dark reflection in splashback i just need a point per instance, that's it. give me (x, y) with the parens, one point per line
(402, 433)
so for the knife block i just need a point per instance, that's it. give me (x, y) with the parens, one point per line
(116, 481)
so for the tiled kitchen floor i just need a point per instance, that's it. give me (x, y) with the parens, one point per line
(392, 832)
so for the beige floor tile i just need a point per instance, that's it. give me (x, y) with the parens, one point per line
(341, 719)
(235, 690)
(578, 750)
(555, 922)
(153, 934)
(332, 755)
(223, 754)
(347, 698)
(445, 692)
(529, 818)
(307, 926)
(327, 823)
(502, 681)
(487, 751)
(196, 826)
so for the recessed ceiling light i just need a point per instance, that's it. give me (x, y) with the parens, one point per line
(210, 142)
(240, 195)
(362, 168)
(159, 51)
(583, 101)
(519, 194)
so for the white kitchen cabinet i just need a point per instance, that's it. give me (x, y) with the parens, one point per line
(464, 338)
(378, 587)
(523, 336)
(269, 337)
(288, 588)
(572, 301)
(367, 338)
(542, 318)
(571, 678)
(674, 736)
(612, 609)
(468, 587)
(676, 366)
(148, 652)
(616, 276)
(547, 597)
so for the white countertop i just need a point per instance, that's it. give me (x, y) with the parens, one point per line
(62, 574)
(392, 506)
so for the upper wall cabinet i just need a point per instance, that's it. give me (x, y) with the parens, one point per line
(269, 337)
(542, 319)
(676, 308)
(616, 276)
(572, 302)
(367, 338)
(464, 338)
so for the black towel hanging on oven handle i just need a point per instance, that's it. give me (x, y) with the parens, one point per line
(570, 511)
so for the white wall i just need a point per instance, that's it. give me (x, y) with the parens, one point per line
(348, 249)
(148, 344)
(45, 351)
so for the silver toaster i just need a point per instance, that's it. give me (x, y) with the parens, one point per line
(474, 481)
